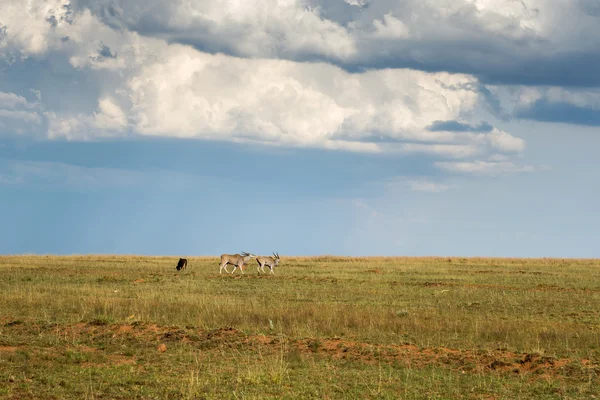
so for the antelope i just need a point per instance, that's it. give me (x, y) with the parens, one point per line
(236, 260)
(181, 264)
(270, 262)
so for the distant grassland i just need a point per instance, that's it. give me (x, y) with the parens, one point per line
(322, 327)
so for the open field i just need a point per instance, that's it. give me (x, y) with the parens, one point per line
(128, 327)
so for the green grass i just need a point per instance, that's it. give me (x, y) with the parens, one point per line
(322, 327)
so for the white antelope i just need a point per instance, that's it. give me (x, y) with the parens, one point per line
(270, 262)
(237, 260)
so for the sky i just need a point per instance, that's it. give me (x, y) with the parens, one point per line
(304, 127)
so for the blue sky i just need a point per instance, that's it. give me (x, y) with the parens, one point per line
(350, 127)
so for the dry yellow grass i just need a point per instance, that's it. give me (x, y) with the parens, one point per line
(466, 308)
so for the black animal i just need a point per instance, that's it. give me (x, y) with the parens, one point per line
(181, 264)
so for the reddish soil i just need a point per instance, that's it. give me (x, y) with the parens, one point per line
(535, 366)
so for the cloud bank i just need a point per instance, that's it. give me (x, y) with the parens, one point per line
(355, 75)
(500, 41)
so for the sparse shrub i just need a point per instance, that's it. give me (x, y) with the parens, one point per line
(102, 320)
(314, 345)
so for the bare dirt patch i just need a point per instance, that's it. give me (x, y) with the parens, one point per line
(123, 329)
(407, 354)
(535, 366)
(462, 360)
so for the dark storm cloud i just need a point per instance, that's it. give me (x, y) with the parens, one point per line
(65, 13)
(546, 111)
(512, 65)
(455, 126)
(590, 7)
(570, 69)
(457, 38)
(52, 21)
(339, 11)
(105, 52)
(492, 103)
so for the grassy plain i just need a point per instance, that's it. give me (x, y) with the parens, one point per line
(129, 327)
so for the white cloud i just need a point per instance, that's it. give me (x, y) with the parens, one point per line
(108, 120)
(146, 86)
(527, 96)
(390, 27)
(186, 93)
(64, 126)
(109, 116)
(94, 45)
(252, 28)
(583, 98)
(446, 150)
(297, 29)
(24, 116)
(524, 14)
(490, 168)
(17, 114)
(357, 3)
(11, 101)
(29, 25)
(577, 106)
(505, 142)
(497, 40)
(41, 27)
